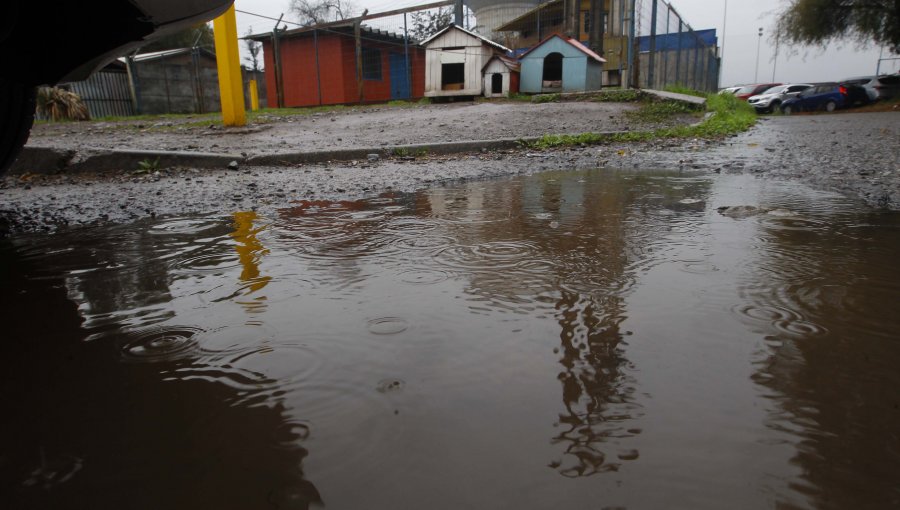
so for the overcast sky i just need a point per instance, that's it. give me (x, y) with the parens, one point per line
(740, 39)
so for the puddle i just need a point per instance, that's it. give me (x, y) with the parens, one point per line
(590, 339)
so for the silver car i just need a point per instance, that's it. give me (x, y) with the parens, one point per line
(771, 99)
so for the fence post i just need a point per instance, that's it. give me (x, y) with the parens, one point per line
(678, 59)
(651, 72)
(696, 61)
(318, 69)
(276, 54)
(667, 49)
(228, 63)
(409, 90)
(632, 54)
(357, 35)
(133, 84)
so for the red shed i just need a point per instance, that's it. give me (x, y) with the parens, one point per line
(319, 66)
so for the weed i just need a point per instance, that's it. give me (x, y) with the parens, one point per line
(681, 89)
(618, 96)
(146, 166)
(657, 111)
(545, 98)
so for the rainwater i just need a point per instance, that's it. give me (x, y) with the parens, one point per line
(580, 340)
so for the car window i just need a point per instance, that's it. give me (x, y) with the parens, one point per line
(778, 89)
(797, 88)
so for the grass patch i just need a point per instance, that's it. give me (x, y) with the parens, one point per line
(545, 98)
(658, 111)
(729, 116)
(681, 89)
(618, 96)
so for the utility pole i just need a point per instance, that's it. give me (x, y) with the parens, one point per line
(758, 42)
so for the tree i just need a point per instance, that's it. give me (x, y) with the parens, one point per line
(198, 35)
(427, 23)
(315, 12)
(253, 48)
(818, 22)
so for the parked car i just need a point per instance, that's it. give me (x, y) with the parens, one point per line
(823, 96)
(43, 44)
(747, 91)
(771, 99)
(878, 87)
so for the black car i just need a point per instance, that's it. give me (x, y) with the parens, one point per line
(44, 43)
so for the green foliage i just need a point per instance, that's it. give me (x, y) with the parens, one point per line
(818, 22)
(729, 116)
(681, 89)
(545, 98)
(424, 24)
(657, 111)
(147, 166)
(198, 35)
(618, 96)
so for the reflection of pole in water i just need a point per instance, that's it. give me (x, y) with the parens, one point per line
(250, 250)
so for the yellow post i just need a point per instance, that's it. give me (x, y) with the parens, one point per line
(228, 62)
(254, 96)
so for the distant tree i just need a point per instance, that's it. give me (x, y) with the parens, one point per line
(314, 12)
(253, 48)
(427, 23)
(816, 22)
(199, 35)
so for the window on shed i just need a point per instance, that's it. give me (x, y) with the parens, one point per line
(371, 64)
(453, 76)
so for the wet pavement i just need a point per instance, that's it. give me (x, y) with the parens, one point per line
(569, 339)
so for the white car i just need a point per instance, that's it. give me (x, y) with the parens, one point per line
(44, 43)
(771, 99)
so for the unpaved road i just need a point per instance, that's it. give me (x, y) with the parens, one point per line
(352, 127)
(856, 154)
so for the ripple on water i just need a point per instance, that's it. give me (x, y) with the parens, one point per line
(159, 344)
(487, 256)
(423, 276)
(387, 325)
(784, 320)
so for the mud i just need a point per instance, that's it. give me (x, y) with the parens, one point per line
(854, 154)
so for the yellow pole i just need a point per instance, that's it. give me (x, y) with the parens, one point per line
(228, 62)
(254, 96)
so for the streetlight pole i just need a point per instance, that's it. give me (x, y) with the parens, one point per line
(758, 42)
(722, 54)
(775, 61)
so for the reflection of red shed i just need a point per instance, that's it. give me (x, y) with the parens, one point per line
(319, 66)
(501, 76)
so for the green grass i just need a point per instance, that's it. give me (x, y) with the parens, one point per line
(618, 96)
(545, 98)
(658, 111)
(681, 89)
(729, 116)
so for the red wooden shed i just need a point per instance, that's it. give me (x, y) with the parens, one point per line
(319, 66)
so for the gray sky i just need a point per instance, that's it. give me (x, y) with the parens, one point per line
(743, 21)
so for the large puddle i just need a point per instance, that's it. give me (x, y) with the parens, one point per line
(580, 340)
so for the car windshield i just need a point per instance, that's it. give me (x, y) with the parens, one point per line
(775, 90)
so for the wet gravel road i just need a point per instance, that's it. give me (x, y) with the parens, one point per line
(857, 154)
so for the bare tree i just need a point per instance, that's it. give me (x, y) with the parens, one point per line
(427, 23)
(253, 47)
(314, 12)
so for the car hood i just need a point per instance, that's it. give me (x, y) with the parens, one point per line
(762, 96)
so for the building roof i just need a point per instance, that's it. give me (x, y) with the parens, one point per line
(576, 44)
(343, 27)
(510, 63)
(158, 55)
(473, 34)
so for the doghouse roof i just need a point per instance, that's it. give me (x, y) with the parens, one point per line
(510, 63)
(452, 26)
(572, 42)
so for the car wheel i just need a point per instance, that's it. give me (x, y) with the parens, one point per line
(17, 103)
(787, 110)
(830, 106)
(776, 105)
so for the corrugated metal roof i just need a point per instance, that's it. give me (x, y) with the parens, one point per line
(484, 39)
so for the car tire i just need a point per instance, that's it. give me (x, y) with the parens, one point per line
(17, 102)
(788, 109)
(776, 105)
(830, 106)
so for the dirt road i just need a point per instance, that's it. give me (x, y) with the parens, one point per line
(856, 154)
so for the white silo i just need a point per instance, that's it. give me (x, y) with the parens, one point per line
(491, 14)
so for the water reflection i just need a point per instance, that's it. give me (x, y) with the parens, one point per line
(441, 349)
(830, 352)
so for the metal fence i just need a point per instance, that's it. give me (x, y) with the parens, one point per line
(669, 52)
(106, 94)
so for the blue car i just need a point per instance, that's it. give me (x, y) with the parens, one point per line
(822, 96)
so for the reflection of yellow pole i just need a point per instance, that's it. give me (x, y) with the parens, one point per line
(228, 62)
(254, 96)
(249, 251)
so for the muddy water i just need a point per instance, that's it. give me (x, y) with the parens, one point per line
(568, 340)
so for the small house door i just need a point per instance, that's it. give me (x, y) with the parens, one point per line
(400, 88)
(497, 83)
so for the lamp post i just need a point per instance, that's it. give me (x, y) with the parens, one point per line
(722, 54)
(775, 60)
(758, 42)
